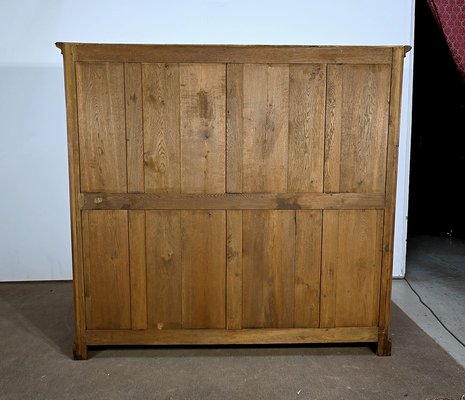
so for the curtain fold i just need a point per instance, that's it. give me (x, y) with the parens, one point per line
(450, 16)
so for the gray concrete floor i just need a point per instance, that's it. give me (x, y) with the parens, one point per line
(436, 271)
(35, 362)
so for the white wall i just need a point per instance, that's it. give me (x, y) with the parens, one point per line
(34, 213)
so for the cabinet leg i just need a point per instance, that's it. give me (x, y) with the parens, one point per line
(384, 345)
(80, 351)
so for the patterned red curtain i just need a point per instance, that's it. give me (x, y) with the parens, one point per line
(450, 16)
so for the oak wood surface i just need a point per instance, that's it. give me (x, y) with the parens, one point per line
(134, 127)
(80, 346)
(233, 53)
(203, 235)
(384, 343)
(232, 194)
(102, 126)
(162, 153)
(237, 201)
(232, 336)
(138, 268)
(164, 269)
(106, 266)
(268, 259)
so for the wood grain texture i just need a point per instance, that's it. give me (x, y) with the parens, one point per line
(102, 126)
(233, 53)
(232, 194)
(106, 269)
(265, 128)
(134, 128)
(307, 269)
(357, 126)
(164, 269)
(239, 336)
(162, 158)
(203, 119)
(351, 269)
(80, 347)
(307, 92)
(268, 269)
(203, 238)
(137, 269)
(234, 269)
(226, 201)
(384, 343)
(234, 127)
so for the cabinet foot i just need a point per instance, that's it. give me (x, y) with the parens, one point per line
(384, 345)
(80, 351)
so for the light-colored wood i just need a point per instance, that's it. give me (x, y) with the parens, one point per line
(234, 54)
(384, 343)
(80, 346)
(164, 269)
(232, 194)
(351, 268)
(137, 268)
(234, 127)
(234, 269)
(242, 201)
(307, 269)
(106, 269)
(265, 108)
(203, 235)
(162, 158)
(134, 128)
(268, 246)
(307, 99)
(102, 126)
(202, 119)
(239, 336)
(356, 128)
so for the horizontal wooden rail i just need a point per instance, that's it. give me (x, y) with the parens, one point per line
(231, 201)
(241, 336)
(231, 53)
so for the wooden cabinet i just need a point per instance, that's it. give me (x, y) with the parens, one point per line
(232, 194)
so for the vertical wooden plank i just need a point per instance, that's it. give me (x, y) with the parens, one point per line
(164, 269)
(359, 268)
(333, 129)
(80, 347)
(268, 269)
(265, 127)
(160, 90)
(203, 125)
(384, 343)
(234, 128)
(307, 92)
(234, 269)
(307, 269)
(329, 263)
(137, 268)
(204, 269)
(351, 268)
(356, 129)
(365, 127)
(102, 130)
(106, 266)
(134, 128)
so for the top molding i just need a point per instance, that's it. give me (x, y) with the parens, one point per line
(180, 53)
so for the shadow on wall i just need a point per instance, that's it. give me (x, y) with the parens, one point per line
(34, 207)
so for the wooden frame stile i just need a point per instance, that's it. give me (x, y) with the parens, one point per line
(80, 345)
(384, 339)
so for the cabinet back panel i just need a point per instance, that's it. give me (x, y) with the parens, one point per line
(220, 191)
